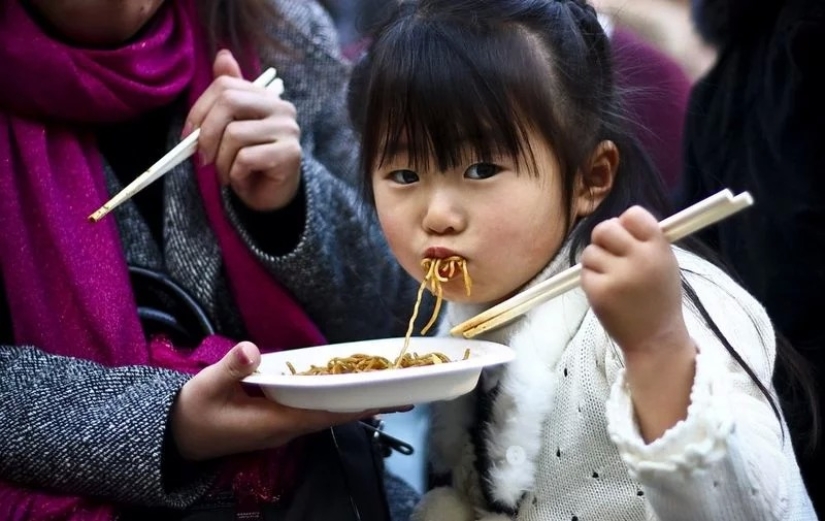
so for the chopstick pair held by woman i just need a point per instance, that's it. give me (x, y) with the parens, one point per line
(97, 418)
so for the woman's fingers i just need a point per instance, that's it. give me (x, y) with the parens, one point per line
(243, 134)
(267, 177)
(222, 377)
(227, 74)
(249, 103)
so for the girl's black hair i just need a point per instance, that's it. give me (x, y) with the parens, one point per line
(445, 78)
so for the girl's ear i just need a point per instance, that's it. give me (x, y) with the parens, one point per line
(595, 181)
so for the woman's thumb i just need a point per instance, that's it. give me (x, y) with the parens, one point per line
(240, 361)
(226, 65)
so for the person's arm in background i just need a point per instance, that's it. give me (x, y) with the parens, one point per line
(667, 25)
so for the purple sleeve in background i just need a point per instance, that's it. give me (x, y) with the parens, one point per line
(656, 94)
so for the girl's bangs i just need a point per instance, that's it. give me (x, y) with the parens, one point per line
(454, 93)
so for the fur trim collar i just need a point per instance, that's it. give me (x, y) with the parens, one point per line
(512, 435)
(520, 395)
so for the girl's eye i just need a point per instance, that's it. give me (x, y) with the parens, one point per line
(404, 177)
(482, 171)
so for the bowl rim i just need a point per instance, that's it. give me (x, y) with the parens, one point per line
(494, 354)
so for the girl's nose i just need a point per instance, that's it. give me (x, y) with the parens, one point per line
(444, 214)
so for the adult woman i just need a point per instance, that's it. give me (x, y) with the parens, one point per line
(257, 240)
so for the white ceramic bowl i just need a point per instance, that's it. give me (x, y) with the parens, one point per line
(376, 389)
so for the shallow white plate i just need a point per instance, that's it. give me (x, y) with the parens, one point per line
(387, 388)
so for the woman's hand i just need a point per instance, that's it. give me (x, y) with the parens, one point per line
(251, 135)
(213, 415)
(632, 281)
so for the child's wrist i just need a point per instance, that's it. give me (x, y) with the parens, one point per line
(658, 351)
(660, 380)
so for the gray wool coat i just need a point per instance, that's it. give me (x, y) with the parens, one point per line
(78, 428)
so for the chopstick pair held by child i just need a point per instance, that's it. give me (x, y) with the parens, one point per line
(493, 130)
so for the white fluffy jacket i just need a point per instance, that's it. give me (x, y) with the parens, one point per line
(560, 441)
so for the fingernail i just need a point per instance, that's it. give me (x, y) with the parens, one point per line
(202, 160)
(187, 129)
(243, 357)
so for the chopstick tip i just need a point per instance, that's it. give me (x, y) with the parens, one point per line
(98, 215)
(461, 331)
(746, 198)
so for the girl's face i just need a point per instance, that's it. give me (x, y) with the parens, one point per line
(97, 22)
(505, 220)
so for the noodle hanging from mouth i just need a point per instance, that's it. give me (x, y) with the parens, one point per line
(435, 275)
(437, 272)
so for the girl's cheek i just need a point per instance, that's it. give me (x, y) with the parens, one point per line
(392, 227)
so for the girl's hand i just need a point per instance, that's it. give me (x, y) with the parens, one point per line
(213, 415)
(251, 135)
(632, 281)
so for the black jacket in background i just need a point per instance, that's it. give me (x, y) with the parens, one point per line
(756, 122)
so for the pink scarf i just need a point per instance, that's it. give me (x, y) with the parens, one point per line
(66, 279)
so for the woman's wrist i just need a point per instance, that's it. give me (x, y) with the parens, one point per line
(276, 232)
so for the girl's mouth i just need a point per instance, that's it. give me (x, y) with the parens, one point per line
(439, 253)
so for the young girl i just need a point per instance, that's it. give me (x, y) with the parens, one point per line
(492, 131)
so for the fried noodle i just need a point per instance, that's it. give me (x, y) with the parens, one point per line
(437, 272)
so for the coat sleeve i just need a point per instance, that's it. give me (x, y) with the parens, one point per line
(340, 269)
(69, 426)
(731, 457)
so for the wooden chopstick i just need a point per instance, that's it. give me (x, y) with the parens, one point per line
(174, 157)
(568, 279)
(678, 226)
